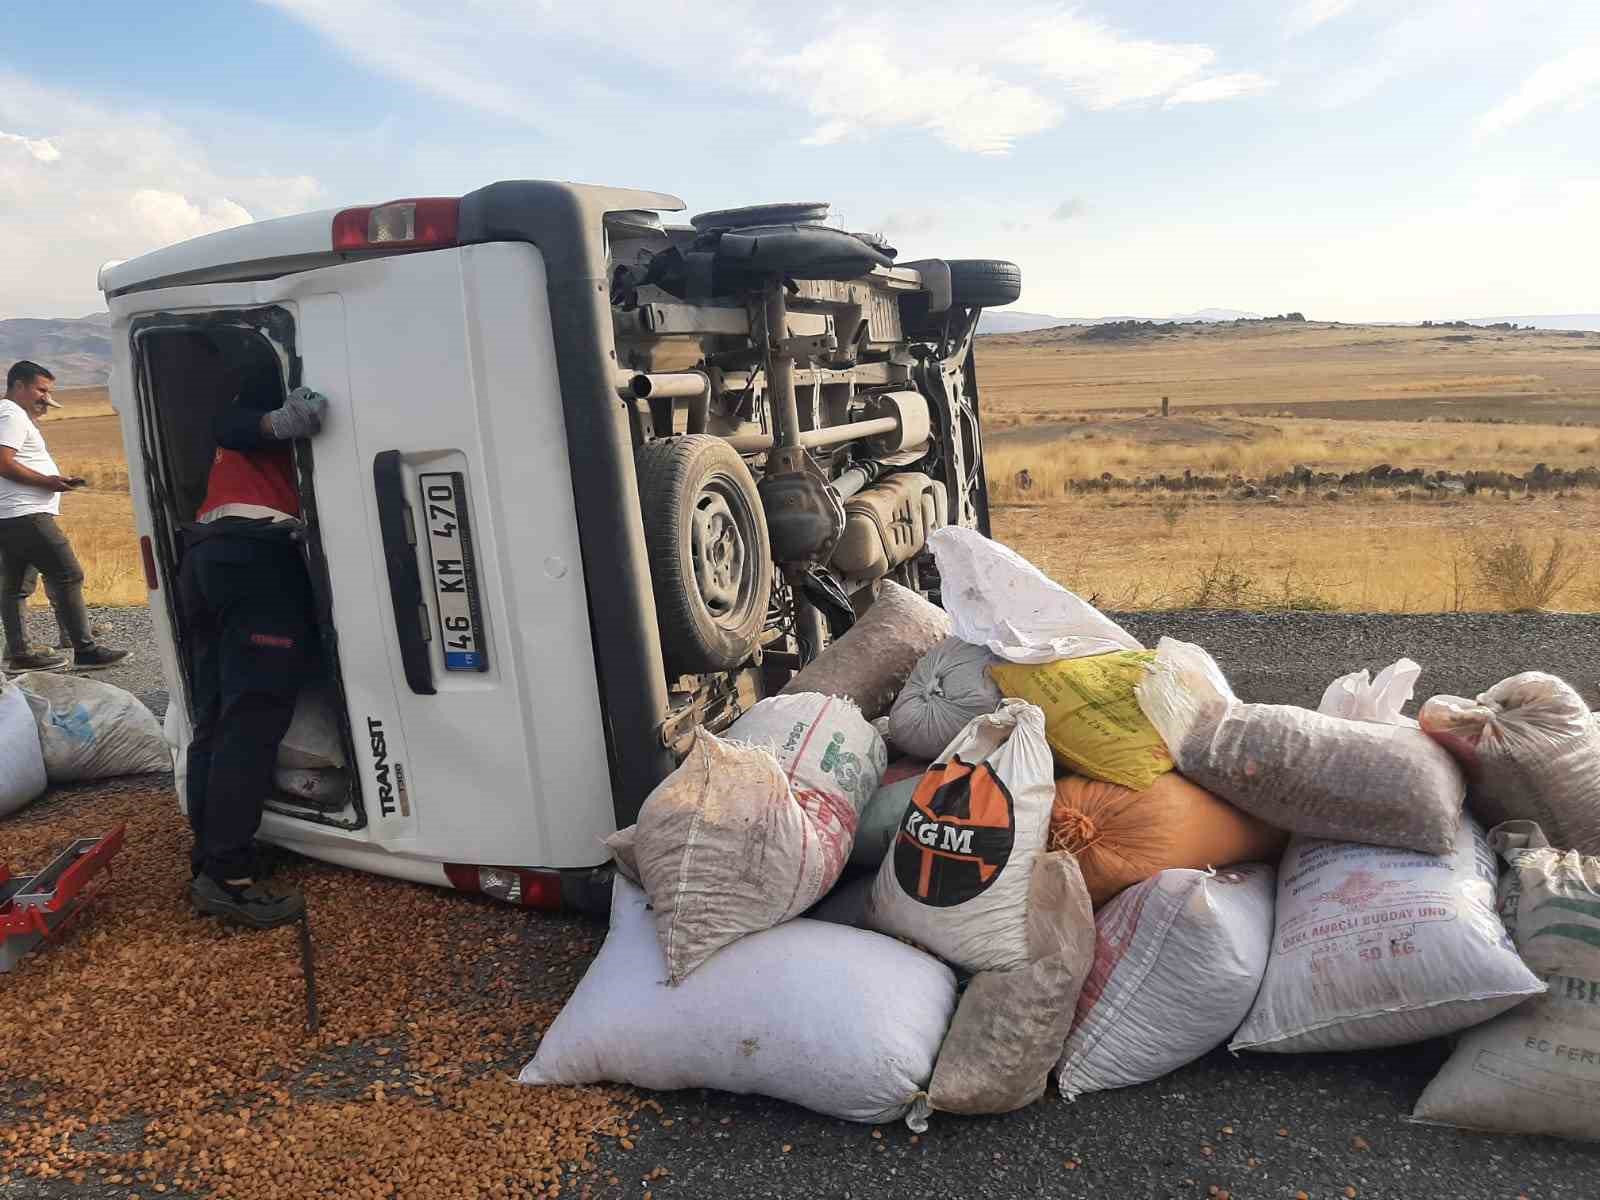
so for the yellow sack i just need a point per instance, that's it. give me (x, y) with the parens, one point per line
(1092, 719)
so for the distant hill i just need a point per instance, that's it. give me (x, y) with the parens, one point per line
(1006, 320)
(1589, 321)
(78, 350)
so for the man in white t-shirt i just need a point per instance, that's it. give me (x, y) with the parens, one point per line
(31, 539)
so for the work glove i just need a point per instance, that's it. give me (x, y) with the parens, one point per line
(300, 416)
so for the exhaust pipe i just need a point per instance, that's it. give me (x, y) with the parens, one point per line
(694, 386)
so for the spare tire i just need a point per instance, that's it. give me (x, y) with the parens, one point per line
(710, 560)
(983, 282)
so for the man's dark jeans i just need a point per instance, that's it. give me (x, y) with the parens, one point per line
(36, 541)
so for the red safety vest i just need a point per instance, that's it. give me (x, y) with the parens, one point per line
(260, 479)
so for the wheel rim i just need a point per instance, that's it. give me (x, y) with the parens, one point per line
(719, 545)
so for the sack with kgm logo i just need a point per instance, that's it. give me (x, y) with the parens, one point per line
(955, 880)
(1535, 1069)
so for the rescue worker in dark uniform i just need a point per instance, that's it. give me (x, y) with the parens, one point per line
(250, 629)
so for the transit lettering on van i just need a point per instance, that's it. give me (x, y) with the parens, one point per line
(391, 788)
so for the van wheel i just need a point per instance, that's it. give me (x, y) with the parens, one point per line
(710, 561)
(983, 282)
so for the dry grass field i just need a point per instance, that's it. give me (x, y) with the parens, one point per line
(1372, 553)
(1316, 369)
(1248, 401)
(85, 440)
(1257, 399)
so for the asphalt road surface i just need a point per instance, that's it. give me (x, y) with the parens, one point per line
(1249, 1126)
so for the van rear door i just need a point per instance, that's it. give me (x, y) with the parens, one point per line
(448, 526)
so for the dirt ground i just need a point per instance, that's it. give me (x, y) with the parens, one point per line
(153, 1054)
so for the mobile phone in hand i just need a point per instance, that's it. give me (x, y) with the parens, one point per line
(77, 481)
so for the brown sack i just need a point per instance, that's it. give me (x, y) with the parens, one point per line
(1121, 837)
(1011, 1025)
(872, 662)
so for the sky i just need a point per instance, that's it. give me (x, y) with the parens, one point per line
(1350, 159)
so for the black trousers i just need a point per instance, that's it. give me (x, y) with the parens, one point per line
(250, 629)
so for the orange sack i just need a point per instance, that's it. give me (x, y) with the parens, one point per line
(1121, 837)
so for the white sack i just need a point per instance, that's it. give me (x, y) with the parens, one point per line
(1178, 961)
(1536, 1069)
(92, 730)
(1301, 770)
(823, 743)
(313, 739)
(956, 880)
(1376, 946)
(997, 598)
(949, 686)
(1531, 751)
(1359, 697)
(22, 774)
(742, 837)
(841, 1021)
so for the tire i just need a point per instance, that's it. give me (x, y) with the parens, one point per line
(710, 560)
(984, 282)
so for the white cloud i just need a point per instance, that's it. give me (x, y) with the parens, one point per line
(855, 72)
(855, 85)
(107, 183)
(1219, 87)
(41, 149)
(1400, 43)
(169, 217)
(1571, 80)
(1309, 14)
(1100, 67)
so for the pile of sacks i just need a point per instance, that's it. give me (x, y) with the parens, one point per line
(67, 729)
(971, 849)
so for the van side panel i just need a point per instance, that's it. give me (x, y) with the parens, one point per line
(546, 615)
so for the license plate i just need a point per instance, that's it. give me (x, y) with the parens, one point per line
(455, 574)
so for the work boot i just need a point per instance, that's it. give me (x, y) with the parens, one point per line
(97, 630)
(247, 904)
(35, 658)
(97, 657)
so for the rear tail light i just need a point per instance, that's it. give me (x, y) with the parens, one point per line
(422, 224)
(515, 885)
(147, 552)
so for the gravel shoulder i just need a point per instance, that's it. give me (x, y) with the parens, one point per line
(1274, 1125)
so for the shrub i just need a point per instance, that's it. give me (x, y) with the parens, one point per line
(1519, 577)
(1171, 510)
(1224, 582)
